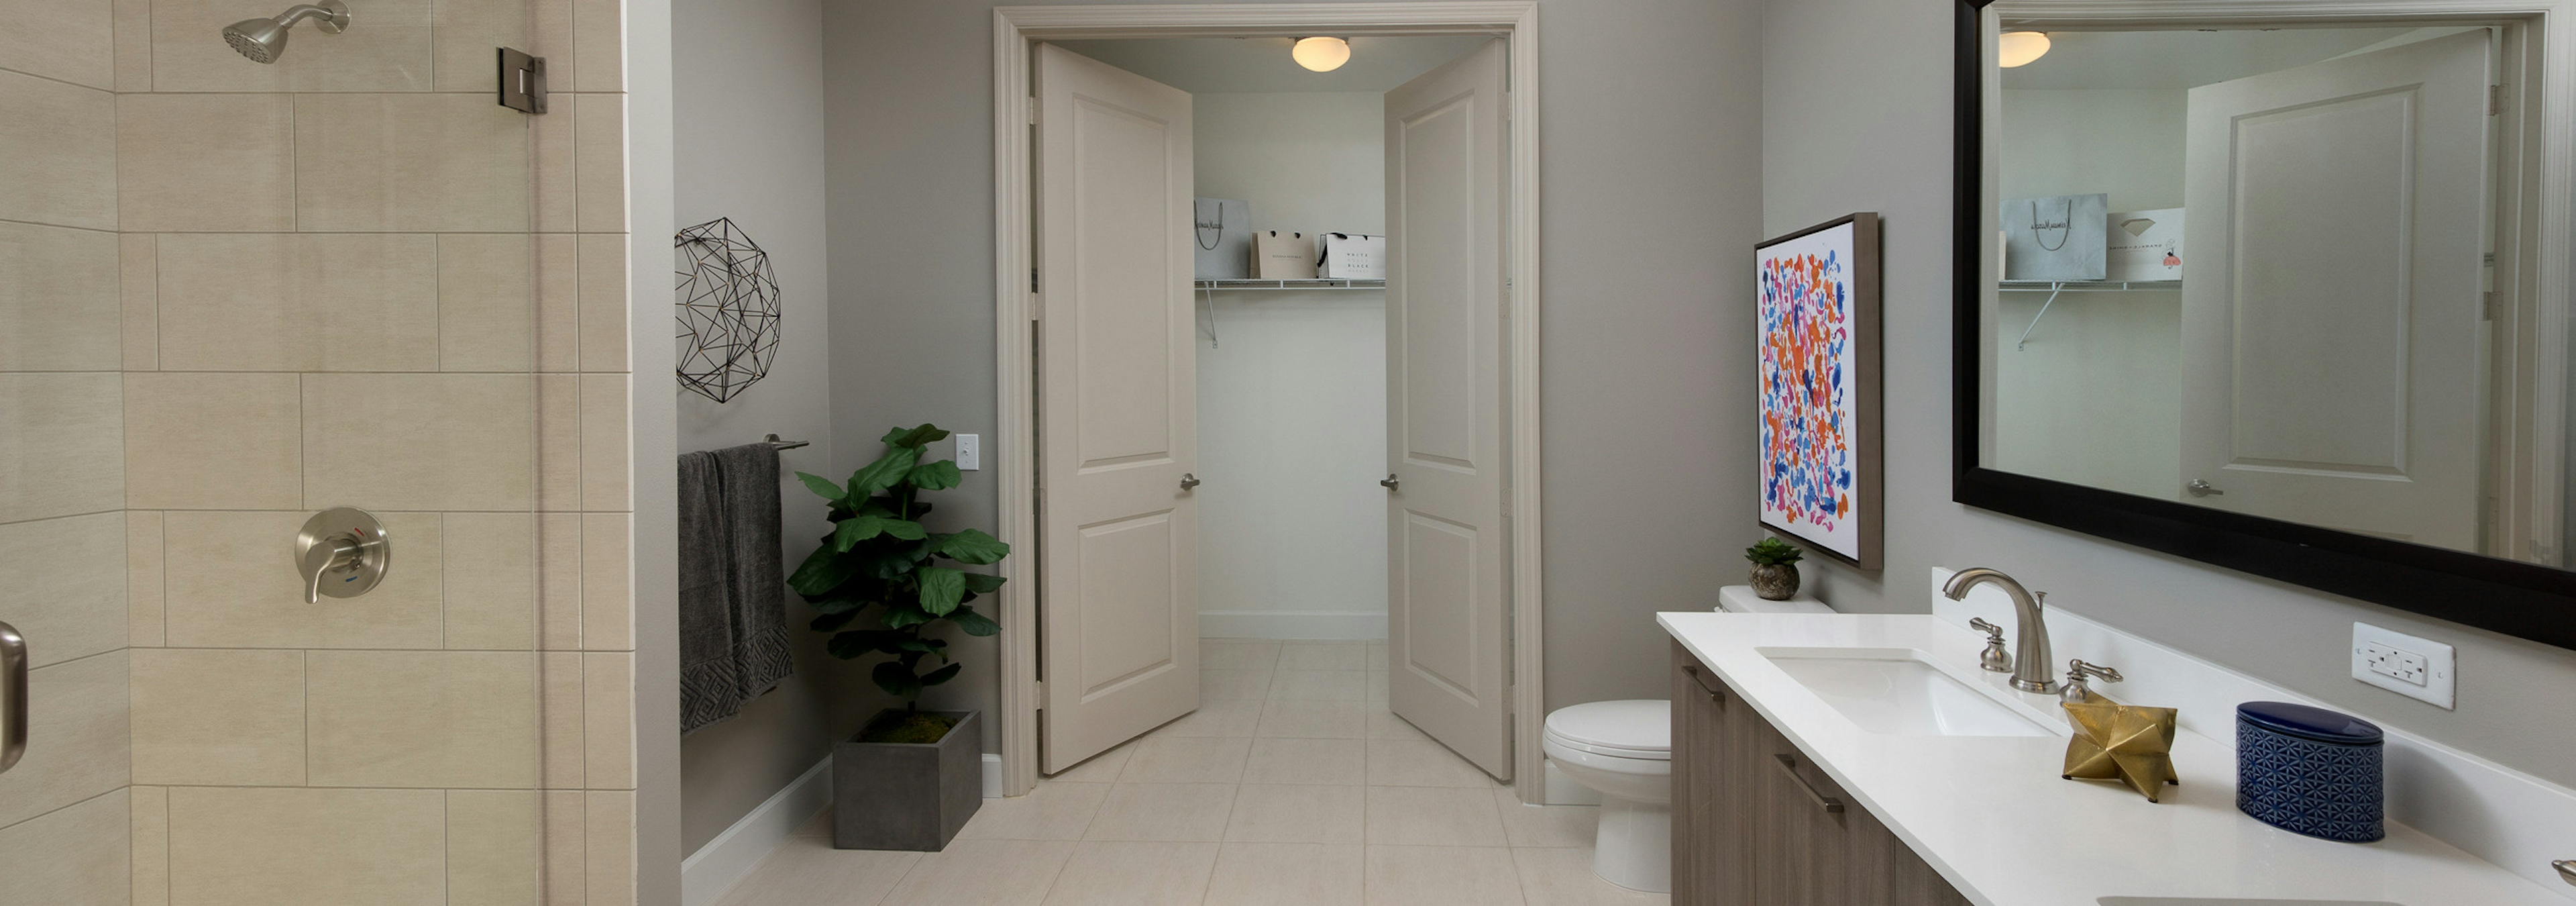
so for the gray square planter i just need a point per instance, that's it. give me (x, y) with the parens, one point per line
(907, 795)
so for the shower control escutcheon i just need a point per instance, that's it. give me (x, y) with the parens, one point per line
(342, 553)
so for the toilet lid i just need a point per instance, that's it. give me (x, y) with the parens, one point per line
(1631, 728)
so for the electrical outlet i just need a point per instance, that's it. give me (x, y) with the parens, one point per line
(2404, 664)
(970, 452)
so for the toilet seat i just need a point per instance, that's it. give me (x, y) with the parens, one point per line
(1639, 729)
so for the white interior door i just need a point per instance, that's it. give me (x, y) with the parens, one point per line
(1447, 608)
(2331, 299)
(1118, 570)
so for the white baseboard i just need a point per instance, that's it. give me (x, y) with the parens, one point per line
(715, 868)
(1293, 624)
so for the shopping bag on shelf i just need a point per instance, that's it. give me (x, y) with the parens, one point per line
(1282, 256)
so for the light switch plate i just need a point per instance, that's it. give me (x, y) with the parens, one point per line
(2404, 664)
(970, 452)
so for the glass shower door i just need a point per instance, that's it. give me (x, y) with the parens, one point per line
(255, 266)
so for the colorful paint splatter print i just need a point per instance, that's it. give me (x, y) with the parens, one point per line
(1806, 387)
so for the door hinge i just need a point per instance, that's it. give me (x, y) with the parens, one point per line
(2495, 99)
(1033, 111)
(523, 81)
(1038, 688)
(2487, 304)
(1037, 307)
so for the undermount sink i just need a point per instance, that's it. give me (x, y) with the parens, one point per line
(1900, 692)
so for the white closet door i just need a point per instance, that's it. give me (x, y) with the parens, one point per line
(1447, 611)
(1118, 571)
(2331, 291)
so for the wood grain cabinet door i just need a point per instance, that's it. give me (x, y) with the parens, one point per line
(1711, 823)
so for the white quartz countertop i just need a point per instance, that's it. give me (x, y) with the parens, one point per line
(1993, 817)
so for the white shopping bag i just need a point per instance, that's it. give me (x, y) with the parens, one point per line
(2146, 245)
(1223, 230)
(1350, 256)
(2054, 238)
(1282, 256)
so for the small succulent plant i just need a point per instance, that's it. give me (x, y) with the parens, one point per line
(1773, 552)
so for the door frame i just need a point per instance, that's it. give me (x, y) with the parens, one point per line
(1016, 31)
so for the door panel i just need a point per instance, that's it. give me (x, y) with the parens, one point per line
(1118, 579)
(1448, 616)
(2330, 374)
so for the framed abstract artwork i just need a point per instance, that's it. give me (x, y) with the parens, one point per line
(1816, 326)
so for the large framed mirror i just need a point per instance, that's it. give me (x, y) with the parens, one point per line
(2278, 286)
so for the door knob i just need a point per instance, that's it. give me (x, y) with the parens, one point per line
(342, 553)
(1389, 482)
(2201, 488)
(1189, 481)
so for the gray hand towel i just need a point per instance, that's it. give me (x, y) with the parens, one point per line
(733, 615)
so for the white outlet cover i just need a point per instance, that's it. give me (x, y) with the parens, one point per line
(970, 452)
(2440, 664)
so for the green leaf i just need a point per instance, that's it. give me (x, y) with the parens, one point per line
(912, 437)
(837, 604)
(941, 589)
(900, 617)
(861, 528)
(883, 473)
(822, 571)
(941, 675)
(847, 646)
(974, 623)
(971, 546)
(983, 584)
(897, 680)
(832, 621)
(936, 476)
(823, 487)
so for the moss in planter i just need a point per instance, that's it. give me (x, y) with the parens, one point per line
(917, 727)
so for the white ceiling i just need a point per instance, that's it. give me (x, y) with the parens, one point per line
(2182, 59)
(1262, 66)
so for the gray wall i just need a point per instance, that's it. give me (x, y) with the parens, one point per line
(749, 145)
(1649, 156)
(1856, 116)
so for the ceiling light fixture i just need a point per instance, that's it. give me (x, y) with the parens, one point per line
(1321, 54)
(2018, 48)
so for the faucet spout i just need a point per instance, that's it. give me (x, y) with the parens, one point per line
(2031, 657)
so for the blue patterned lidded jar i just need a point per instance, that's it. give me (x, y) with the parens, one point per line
(2311, 771)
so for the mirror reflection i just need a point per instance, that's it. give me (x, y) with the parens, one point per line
(2284, 272)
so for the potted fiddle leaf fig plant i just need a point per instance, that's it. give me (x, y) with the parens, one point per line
(880, 581)
(1775, 569)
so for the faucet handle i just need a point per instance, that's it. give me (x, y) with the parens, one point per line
(2076, 672)
(1995, 659)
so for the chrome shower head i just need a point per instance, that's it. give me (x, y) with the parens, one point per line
(264, 40)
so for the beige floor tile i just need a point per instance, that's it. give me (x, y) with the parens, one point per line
(1307, 761)
(73, 855)
(324, 302)
(1441, 876)
(1238, 655)
(74, 612)
(1298, 814)
(1377, 687)
(1405, 762)
(1253, 685)
(1545, 825)
(1163, 811)
(1319, 685)
(1433, 816)
(821, 824)
(57, 153)
(206, 162)
(213, 441)
(1286, 874)
(1377, 656)
(1101, 768)
(422, 718)
(61, 300)
(983, 873)
(1184, 759)
(1323, 656)
(1216, 717)
(233, 846)
(1384, 724)
(1051, 811)
(1314, 720)
(807, 871)
(1119, 873)
(64, 435)
(213, 717)
(78, 727)
(1563, 877)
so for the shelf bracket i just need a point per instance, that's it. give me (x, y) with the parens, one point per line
(2053, 290)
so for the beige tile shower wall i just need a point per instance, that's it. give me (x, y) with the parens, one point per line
(64, 834)
(348, 278)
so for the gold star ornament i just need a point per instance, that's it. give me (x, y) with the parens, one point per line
(2120, 742)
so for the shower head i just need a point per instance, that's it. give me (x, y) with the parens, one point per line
(264, 40)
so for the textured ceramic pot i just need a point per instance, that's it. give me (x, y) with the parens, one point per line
(908, 795)
(1775, 581)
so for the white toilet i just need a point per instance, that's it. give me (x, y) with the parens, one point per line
(1624, 751)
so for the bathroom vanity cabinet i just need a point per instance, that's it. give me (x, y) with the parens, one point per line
(1756, 824)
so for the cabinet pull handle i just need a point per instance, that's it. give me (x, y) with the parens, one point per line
(1714, 695)
(1789, 766)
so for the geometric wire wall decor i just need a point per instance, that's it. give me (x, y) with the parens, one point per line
(728, 310)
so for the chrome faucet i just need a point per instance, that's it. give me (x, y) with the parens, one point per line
(2031, 658)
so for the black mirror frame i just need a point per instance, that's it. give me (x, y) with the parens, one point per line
(2518, 599)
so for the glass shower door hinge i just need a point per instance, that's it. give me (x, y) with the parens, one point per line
(523, 81)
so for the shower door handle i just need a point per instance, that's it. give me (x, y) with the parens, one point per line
(13, 700)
